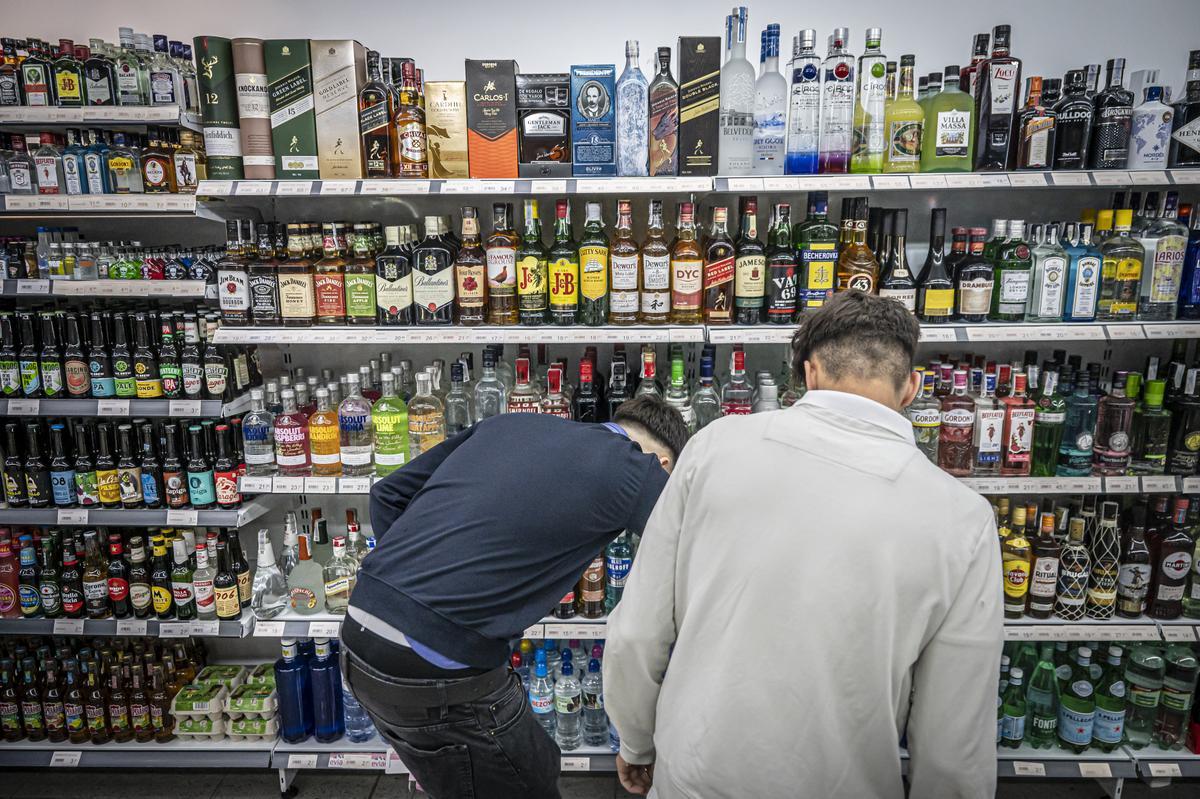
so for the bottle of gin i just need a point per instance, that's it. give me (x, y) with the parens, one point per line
(736, 114)
(1047, 278)
(869, 108)
(1109, 148)
(633, 136)
(1150, 131)
(269, 593)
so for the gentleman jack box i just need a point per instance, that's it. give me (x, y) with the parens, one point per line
(219, 107)
(492, 118)
(254, 115)
(293, 123)
(593, 120)
(699, 100)
(544, 111)
(446, 128)
(339, 69)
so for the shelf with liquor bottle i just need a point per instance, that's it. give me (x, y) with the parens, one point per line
(148, 627)
(384, 187)
(144, 517)
(187, 408)
(66, 287)
(116, 116)
(655, 334)
(45, 205)
(1108, 179)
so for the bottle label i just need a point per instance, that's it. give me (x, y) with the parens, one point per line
(750, 285)
(55, 717)
(1127, 272)
(47, 172)
(1050, 301)
(936, 302)
(782, 300)
(185, 170)
(62, 487)
(1175, 566)
(1012, 728)
(1014, 290)
(1109, 725)
(1167, 270)
(1189, 135)
(531, 284)
(904, 141)
(952, 134)
(201, 489)
(718, 274)
(593, 272)
(564, 284)
(51, 598)
(140, 596)
(130, 482)
(118, 589)
(30, 599)
(226, 484)
(433, 290)
(1087, 278)
(1045, 582)
(228, 604)
(71, 174)
(1020, 435)
(686, 284)
(330, 291)
(618, 570)
(340, 585)
(301, 597)
(656, 284)
(162, 598)
(296, 299)
(291, 445)
(1037, 142)
(989, 424)
(9, 600)
(360, 295)
(541, 703)
(393, 296)
(975, 296)
(1075, 726)
(108, 486)
(205, 598)
(182, 592)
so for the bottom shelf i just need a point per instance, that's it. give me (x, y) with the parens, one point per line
(178, 753)
(1025, 761)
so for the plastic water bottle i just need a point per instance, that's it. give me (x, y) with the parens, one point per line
(568, 705)
(541, 695)
(359, 726)
(595, 720)
(553, 658)
(579, 656)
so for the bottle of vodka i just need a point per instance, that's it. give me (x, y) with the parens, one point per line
(837, 106)
(633, 143)
(736, 117)
(804, 106)
(269, 595)
(770, 110)
(869, 110)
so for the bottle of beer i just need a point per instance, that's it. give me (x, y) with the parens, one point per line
(117, 578)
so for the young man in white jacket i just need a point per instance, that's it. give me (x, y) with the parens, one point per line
(819, 590)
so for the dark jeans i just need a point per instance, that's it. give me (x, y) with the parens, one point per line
(489, 748)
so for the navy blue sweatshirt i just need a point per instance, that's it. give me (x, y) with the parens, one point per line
(481, 536)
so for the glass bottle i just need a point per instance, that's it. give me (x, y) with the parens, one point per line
(904, 125)
(956, 431)
(1014, 264)
(1049, 421)
(306, 583)
(593, 257)
(1179, 685)
(389, 422)
(393, 282)
(816, 243)
(533, 297)
(625, 269)
(706, 402)
(1114, 417)
(935, 301)
(837, 106)
(686, 272)
(1105, 560)
(181, 582)
(736, 113)
(948, 135)
(339, 576)
(1172, 563)
(1045, 561)
(1036, 127)
(470, 273)
(330, 278)
(1075, 453)
(1136, 572)
(563, 269)
(718, 271)
(1077, 704)
(736, 395)
(869, 107)
(292, 453)
(1018, 430)
(997, 89)
(768, 140)
(663, 124)
(1165, 244)
(1016, 554)
(781, 270)
(356, 435)
(258, 437)
(1047, 279)
(632, 97)
(524, 396)
(1083, 274)
(924, 412)
(202, 584)
(1150, 131)
(1073, 125)
(1150, 432)
(426, 418)
(1113, 115)
(359, 279)
(857, 267)
(324, 437)
(297, 298)
(459, 413)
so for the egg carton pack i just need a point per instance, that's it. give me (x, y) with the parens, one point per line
(262, 674)
(248, 729)
(228, 675)
(200, 728)
(200, 701)
(252, 702)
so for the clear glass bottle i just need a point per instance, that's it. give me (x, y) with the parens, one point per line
(904, 122)
(124, 167)
(426, 418)
(1150, 432)
(459, 406)
(677, 395)
(269, 593)
(633, 136)
(804, 108)
(324, 437)
(837, 106)
(924, 412)
(339, 575)
(770, 110)
(1014, 264)
(355, 432)
(306, 582)
(736, 395)
(491, 394)
(1165, 243)
(389, 423)
(1114, 416)
(292, 453)
(1078, 437)
(869, 107)
(736, 113)
(706, 402)
(1048, 278)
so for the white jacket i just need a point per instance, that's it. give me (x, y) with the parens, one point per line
(820, 589)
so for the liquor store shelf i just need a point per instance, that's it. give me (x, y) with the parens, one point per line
(1106, 178)
(53, 204)
(124, 407)
(686, 334)
(99, 116)
(138, 627)
(175, 289)
(108, 517)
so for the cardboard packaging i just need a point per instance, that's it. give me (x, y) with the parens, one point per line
(699, 101)
(492, 118)
(218, 107)
(544, 112)
(254, 113)
(339, 69)
(593, 120)
(293, 122)
(446, 128)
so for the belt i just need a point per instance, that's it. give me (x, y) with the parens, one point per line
(423, 693)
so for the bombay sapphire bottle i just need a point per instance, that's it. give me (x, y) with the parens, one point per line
(633, 137)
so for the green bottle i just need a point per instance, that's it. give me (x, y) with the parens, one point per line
(1109, 728)
(390, 419)
(1150, 433)
(1013, 266)
(1077, 705)
(563, 266)
(1042, 702)
(593, 270)
(1049, 418)
(816, 243)
(947, 142)
(1012, 728)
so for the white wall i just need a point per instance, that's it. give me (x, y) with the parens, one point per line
(1050, 35)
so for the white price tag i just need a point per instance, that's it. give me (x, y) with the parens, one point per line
(324, 629)
(890, 182)
(301, 761)
(65, 759)
(131, 627)
(1191, 485)
(205, 628)
(1186, 175)
(1178, 632)
(1121, 485)
(1165, 770)
(1119, 332)
(769, 184)
(33, 287)
(381, 186)
(293, 188)
(1184, 330)
(112, 407)
(964, 180)
(359, 760)
(1071, 178)
(994, 181)
(940, 333)
(24, 407)
(745, 184)
(496, 186)
(72, 516)
(354, 485)
(1111, 177)
(1080, 485)
(394, 764)
(320, 485)
(557, 631)
(1149, 177)
(268, 629)
(852, 182)
(340, 187)
(548, 187)
(183, 407)
(1100, 771)
(187, 518)
(1159, 484)
(255, 485)
(288, 485)
(576, 764)
(174, 629)
(927, 181)
(1025, 768)
(1027, 179)
(68, 626)
(592, 632)
(253, 188)
(215, 188)
(535, 633)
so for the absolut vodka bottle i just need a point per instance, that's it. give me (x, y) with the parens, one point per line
(804, 110)
(837, 106)
(633, 138)
(736, 117)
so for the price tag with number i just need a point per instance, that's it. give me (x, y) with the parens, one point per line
(183, 407)
(206, 628)
(112, 407)
(1191, 485)
(174, 629)
(1182, 176)
(65, 759)
(1027, 179)
(890, 181)
(293, 188)
(1099, 771)
(72, 516)
(340, 187)
(215, 188)
(576, 764)
(268, 629)
(24, 407)
(253, 188)
(68, 626)
(301, 761)
(379, 186)
(131, 627)
(320, 485)
(187, 518)
(548, 187)
(1159, 484)
(33, 287)
(288, 485)
(255, 485)
(1121, 485)
(354, 485)
(394, 764)
(1178, 632)
(536, 632)
(1165, 770)
(1149, 177)
(1025, 768)
(324, 629)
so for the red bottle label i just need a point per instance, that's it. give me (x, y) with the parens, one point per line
(118, 589)
(227, 488)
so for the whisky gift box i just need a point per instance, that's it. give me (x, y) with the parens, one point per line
(339, 69)
(254, 112)
(293, 123)
(593, 120)
(446, 128)
(492, 118)
(699, 99)
(218, 107)
(544, 116)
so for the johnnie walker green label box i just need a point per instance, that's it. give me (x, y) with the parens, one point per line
(293, 121)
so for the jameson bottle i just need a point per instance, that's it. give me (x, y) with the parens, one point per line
(749, 284)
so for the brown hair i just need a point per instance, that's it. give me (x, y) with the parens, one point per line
(858, 335)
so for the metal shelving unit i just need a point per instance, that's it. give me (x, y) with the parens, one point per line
(116, 116)
(60, 204)
(1104, 178)
(108, 517)
(249, 189)
(138, 627)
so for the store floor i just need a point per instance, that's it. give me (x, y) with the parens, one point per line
(155, 784)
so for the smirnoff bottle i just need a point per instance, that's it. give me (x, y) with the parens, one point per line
(633, 137)
(996, 93)
(869, 136)
(770, 110)
(804, 111)
(736, 116)
(837, 106)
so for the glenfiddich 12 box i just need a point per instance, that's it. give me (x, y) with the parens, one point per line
(593, 120)
(446, 128)
(293, 123)
(699, 100)
(339, 69)
(492, 118)
(544, 115)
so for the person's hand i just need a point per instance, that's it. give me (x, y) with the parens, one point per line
(634, 778)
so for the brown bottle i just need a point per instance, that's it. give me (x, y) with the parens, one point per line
(718, 271)
(118, 707)
(590, 592)
(140, 717)
(857, 267)
(31, 701)
(95, 705)
(52, 705)
(160, 706)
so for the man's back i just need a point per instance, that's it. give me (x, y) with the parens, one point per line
(819, 557)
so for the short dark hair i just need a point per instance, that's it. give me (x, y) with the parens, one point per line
(655, 416)
(858, 335)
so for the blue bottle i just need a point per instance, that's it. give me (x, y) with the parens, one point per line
(1189, 294)
(295, 694)
(1075, 451)
(62, 476)
(95, 173)
(74, 170)
(1083, 274)
(328, 710)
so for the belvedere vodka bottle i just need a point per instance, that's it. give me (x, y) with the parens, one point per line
(736, 116)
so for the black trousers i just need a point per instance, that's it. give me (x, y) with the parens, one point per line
(489, 747)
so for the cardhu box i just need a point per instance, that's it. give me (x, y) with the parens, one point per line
(699, 100)
(446, 128)
(339, 68)
(290, 94)
(492, 118)
(593, 120)
(544, 114)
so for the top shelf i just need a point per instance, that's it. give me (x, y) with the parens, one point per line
(119, 116)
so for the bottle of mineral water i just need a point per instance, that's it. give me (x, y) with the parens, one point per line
(359, 726)
(1111, 704)
(1179, 685)
(541, 695)
(1042, 700)
(1144, 683)
(595, 720)
(1012, 726)
(567, 707)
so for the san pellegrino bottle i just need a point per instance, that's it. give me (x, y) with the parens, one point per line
(1108, 730)
(1012, 726)
(837, 106)
(770, 110)
(736, 114)
(804, 106)
(869, 108)
(1077, 705)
